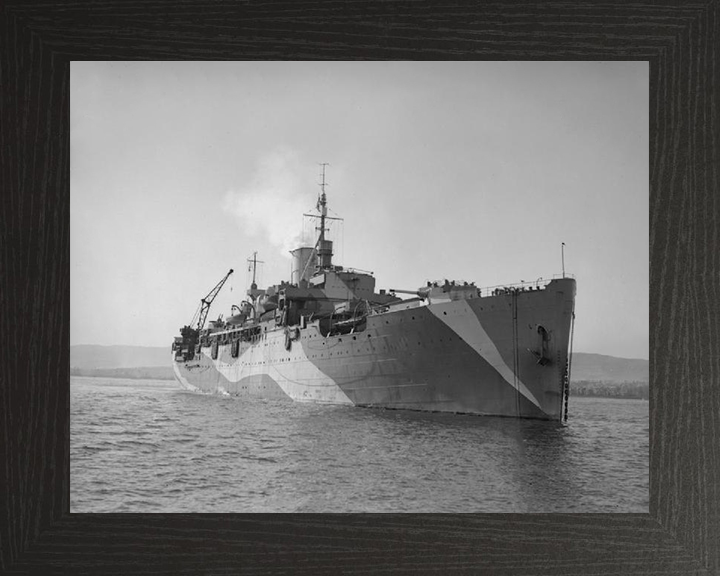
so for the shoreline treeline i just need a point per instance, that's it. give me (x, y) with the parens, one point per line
(606, 389)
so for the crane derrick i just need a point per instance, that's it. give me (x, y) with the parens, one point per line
(208, 300)
(184, 346)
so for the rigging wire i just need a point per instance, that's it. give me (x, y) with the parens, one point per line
(196, 316)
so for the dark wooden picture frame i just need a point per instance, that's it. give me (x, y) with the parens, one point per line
(680, 535)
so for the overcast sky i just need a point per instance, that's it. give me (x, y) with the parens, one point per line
(473, 171)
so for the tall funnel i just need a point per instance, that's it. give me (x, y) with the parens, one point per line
(304, 261)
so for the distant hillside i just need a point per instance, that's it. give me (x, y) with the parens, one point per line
(588, 367)
(599, 368)
(91, 356)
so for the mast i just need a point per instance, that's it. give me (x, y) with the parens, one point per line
(322, 204)
(324, 246)
(253, 292)
(253, 266)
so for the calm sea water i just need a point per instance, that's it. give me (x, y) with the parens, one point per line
(149, 446)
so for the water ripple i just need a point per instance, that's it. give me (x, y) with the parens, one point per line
(147, 446)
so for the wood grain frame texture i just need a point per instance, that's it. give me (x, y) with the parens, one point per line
(680, 535)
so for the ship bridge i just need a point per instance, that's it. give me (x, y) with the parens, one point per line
(346, 284)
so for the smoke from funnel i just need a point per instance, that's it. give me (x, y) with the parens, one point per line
(271, 205)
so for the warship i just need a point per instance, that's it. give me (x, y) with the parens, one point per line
(328, 336)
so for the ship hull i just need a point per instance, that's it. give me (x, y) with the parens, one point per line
(501, 355)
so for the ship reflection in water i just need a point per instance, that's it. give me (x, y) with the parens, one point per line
(145, 446)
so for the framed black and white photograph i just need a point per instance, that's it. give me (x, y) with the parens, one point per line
(338, 291)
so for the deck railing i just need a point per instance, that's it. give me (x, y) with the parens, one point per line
(521, 286)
